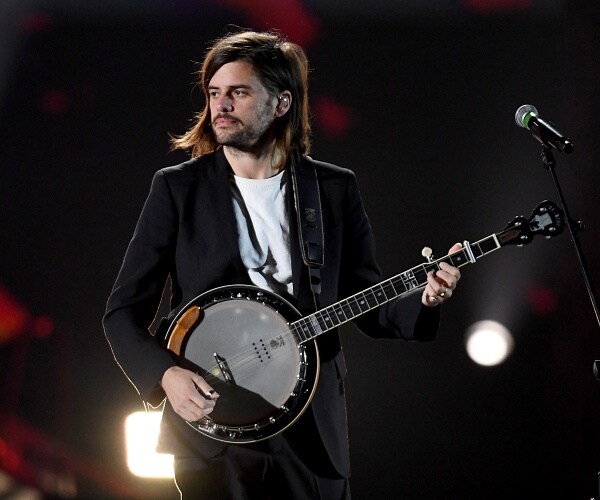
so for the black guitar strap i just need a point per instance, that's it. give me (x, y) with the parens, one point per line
(307, 201)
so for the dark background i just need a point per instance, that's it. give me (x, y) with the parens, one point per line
(418, 99)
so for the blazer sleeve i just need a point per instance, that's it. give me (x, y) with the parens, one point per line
(136, 294)
(404, 317)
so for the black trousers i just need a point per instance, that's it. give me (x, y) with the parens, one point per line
(269, 472)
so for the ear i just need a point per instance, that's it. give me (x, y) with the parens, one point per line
(284, 102)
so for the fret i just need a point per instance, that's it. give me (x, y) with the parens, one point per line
(347, 310)
(398, 285)
(301, 330)
(330, 320)
(477, 251)
(379, 294)
(409, 280)
(339, 312)
(296, 332)
(489, 244)
(354, 307)
(433, 267)
(458, 259)
(316, 327)
(388, 290)
(371, 298)
(324, 320)
(421, 275)
(362, 302)
(333, 316)
(307, 329)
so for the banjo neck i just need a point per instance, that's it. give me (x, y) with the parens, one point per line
(546, 220)
(330, 317)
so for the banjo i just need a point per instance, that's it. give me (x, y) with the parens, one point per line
(257, 351)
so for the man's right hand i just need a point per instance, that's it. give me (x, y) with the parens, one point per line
(185, 390)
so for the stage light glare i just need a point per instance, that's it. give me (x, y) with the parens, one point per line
(141, 436)
(488, 343)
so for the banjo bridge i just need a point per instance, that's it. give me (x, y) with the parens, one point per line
(225, 370)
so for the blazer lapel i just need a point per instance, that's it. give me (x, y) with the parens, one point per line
(223, 206)
(295, 252)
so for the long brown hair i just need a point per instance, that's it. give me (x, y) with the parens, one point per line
(280, 65)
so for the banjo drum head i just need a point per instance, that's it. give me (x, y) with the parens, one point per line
(246, 351)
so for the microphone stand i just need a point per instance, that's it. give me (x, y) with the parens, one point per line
(575, 227)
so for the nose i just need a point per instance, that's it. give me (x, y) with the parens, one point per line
(224, 104)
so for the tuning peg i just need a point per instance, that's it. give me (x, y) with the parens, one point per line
(427, 253)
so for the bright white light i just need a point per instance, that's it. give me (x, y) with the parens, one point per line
(141, 435)
(488, 343)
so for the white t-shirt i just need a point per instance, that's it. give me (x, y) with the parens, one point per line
(263, 231)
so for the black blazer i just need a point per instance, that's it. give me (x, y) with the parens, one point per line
(187, 230)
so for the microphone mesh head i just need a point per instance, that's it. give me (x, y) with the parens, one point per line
(522, 112)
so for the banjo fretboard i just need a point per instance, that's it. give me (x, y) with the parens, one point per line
(346, 310)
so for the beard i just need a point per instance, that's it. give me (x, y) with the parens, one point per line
(245, 136)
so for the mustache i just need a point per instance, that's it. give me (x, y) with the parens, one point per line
(227, 116)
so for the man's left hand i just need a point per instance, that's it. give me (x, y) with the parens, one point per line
(441, 284)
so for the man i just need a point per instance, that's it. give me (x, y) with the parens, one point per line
(225, 217)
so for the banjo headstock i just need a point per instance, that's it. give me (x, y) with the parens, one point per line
(546, 220)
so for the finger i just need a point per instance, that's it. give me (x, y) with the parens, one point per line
(192, 413)
(199, 405)
(193, 410)
(436, 289)
(455, 248)
(204, 388)
(443, 292)
(450, 269)
(198, 413)
(429, 299)
(448, 275)
(434, 283)
(430, 296)
(199, 400)
(432, 301)
(196, 401)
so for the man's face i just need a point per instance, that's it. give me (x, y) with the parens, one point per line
(241, 109)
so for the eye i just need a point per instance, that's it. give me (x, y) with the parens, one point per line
(213, 93)
(240, 92)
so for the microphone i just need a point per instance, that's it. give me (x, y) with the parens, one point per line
(527, 117)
